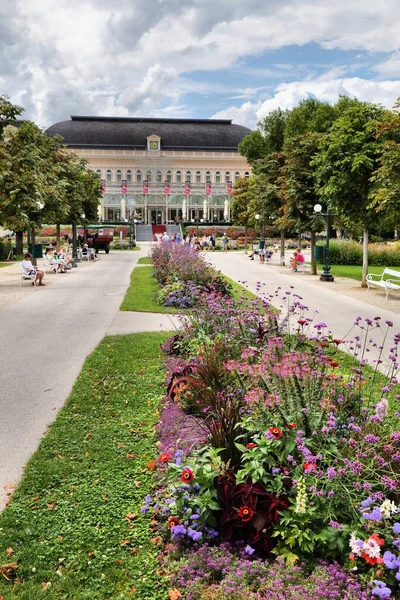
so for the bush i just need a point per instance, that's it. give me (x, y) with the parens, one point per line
(4, 249)
(351, 253)
(120, 245)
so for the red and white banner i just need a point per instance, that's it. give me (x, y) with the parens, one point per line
(124, 187)
(208, 189)
(145, 188)
(103, 186)
(166, 188)
(187, 188)
(229, 188)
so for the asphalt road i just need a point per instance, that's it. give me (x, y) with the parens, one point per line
(45, 337)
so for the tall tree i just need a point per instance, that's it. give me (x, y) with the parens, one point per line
(8, 113)
(347, 158)
(305, 126)
(385, 195)
(240, 212)
(266, 139)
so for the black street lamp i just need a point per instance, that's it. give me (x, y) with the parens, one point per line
(326, 275)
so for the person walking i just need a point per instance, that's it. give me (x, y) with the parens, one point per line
(224, 241)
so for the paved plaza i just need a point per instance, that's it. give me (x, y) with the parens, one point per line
(48, 332)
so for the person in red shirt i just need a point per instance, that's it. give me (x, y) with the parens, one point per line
(297, 258)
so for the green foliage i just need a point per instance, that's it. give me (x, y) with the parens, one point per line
(142, 292)
(74, 524)
(252, 146)
(311, 115)
(8, 113)
(351, 253)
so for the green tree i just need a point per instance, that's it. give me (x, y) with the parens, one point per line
(8, 113)
(266, 139)
(306, 124)
(240, 213)
(385, 196)
(347, 158)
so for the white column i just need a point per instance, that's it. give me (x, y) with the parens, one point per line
(123, 208)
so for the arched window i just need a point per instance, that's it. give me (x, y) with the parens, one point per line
(169, 176)
(198, 177)
(178, 177)
(119, 176)
(148, 176)
(217, 177)
(138, 176)
(159, 177)
(227, 176)
(129, 176)
(208, 177)
(237, 176)
(247, 174)
(108, 175)
(188, 176)
(98, 172)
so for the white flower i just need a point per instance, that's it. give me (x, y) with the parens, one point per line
(371, 547)
(388, 509)
(356, 545)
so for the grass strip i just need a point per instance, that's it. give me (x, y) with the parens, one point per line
(74, 526)
(355, 271)
(141, 294)
(144, 260)
(6, 264)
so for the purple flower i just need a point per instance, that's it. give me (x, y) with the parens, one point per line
(381, 590)
(249, 550)
(178, 531)
(375, 515)
(192, 533)
(396, 528)
(390, 560)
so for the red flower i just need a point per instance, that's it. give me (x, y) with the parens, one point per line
(173, 521)
(165, 457)
(323, 344)
(187, 475)
(337, 342)
(309, 467)
(291, 425)
(251, 445)
(245, 513)
(334, 364)
(377, 539)
(302, 321)
(275, 432)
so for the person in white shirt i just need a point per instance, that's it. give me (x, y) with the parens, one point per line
(29, 269)
(165, 238)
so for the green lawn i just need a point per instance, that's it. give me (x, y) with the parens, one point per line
(142, 291)
(74, 529)
(141, 294)
(145, 260)
(354, 271)
(6, 264)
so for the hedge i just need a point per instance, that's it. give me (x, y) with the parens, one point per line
(351, 253)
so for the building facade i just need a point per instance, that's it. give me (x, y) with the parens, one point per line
(160, 171)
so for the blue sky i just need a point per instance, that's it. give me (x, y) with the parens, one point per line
(195, 58)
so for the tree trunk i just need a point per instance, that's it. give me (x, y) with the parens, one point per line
(365, 258)
(33, 242)
(19, 242)
(282, 248)
(58, 236)
(313, 261)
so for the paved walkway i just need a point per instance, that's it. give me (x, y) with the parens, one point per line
(46, 334)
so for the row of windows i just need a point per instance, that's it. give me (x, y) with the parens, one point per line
(180, 176)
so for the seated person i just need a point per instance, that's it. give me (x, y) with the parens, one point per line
(66, 258)
(297, 258)
(30, 269)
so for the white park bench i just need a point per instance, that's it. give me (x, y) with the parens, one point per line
(388, 280)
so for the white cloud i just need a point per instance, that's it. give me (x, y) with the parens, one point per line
(390, 67)
(289, 95)
(120, 56)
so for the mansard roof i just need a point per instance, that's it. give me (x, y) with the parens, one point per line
(128, 133)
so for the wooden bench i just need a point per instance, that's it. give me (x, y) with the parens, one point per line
(391, 283)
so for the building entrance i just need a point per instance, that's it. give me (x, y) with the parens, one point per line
(156, 216)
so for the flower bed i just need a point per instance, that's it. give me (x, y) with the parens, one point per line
(294, 454)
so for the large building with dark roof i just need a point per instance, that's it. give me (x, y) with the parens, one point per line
(159, 171)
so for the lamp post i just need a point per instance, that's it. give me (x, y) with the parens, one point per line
(326, 275)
